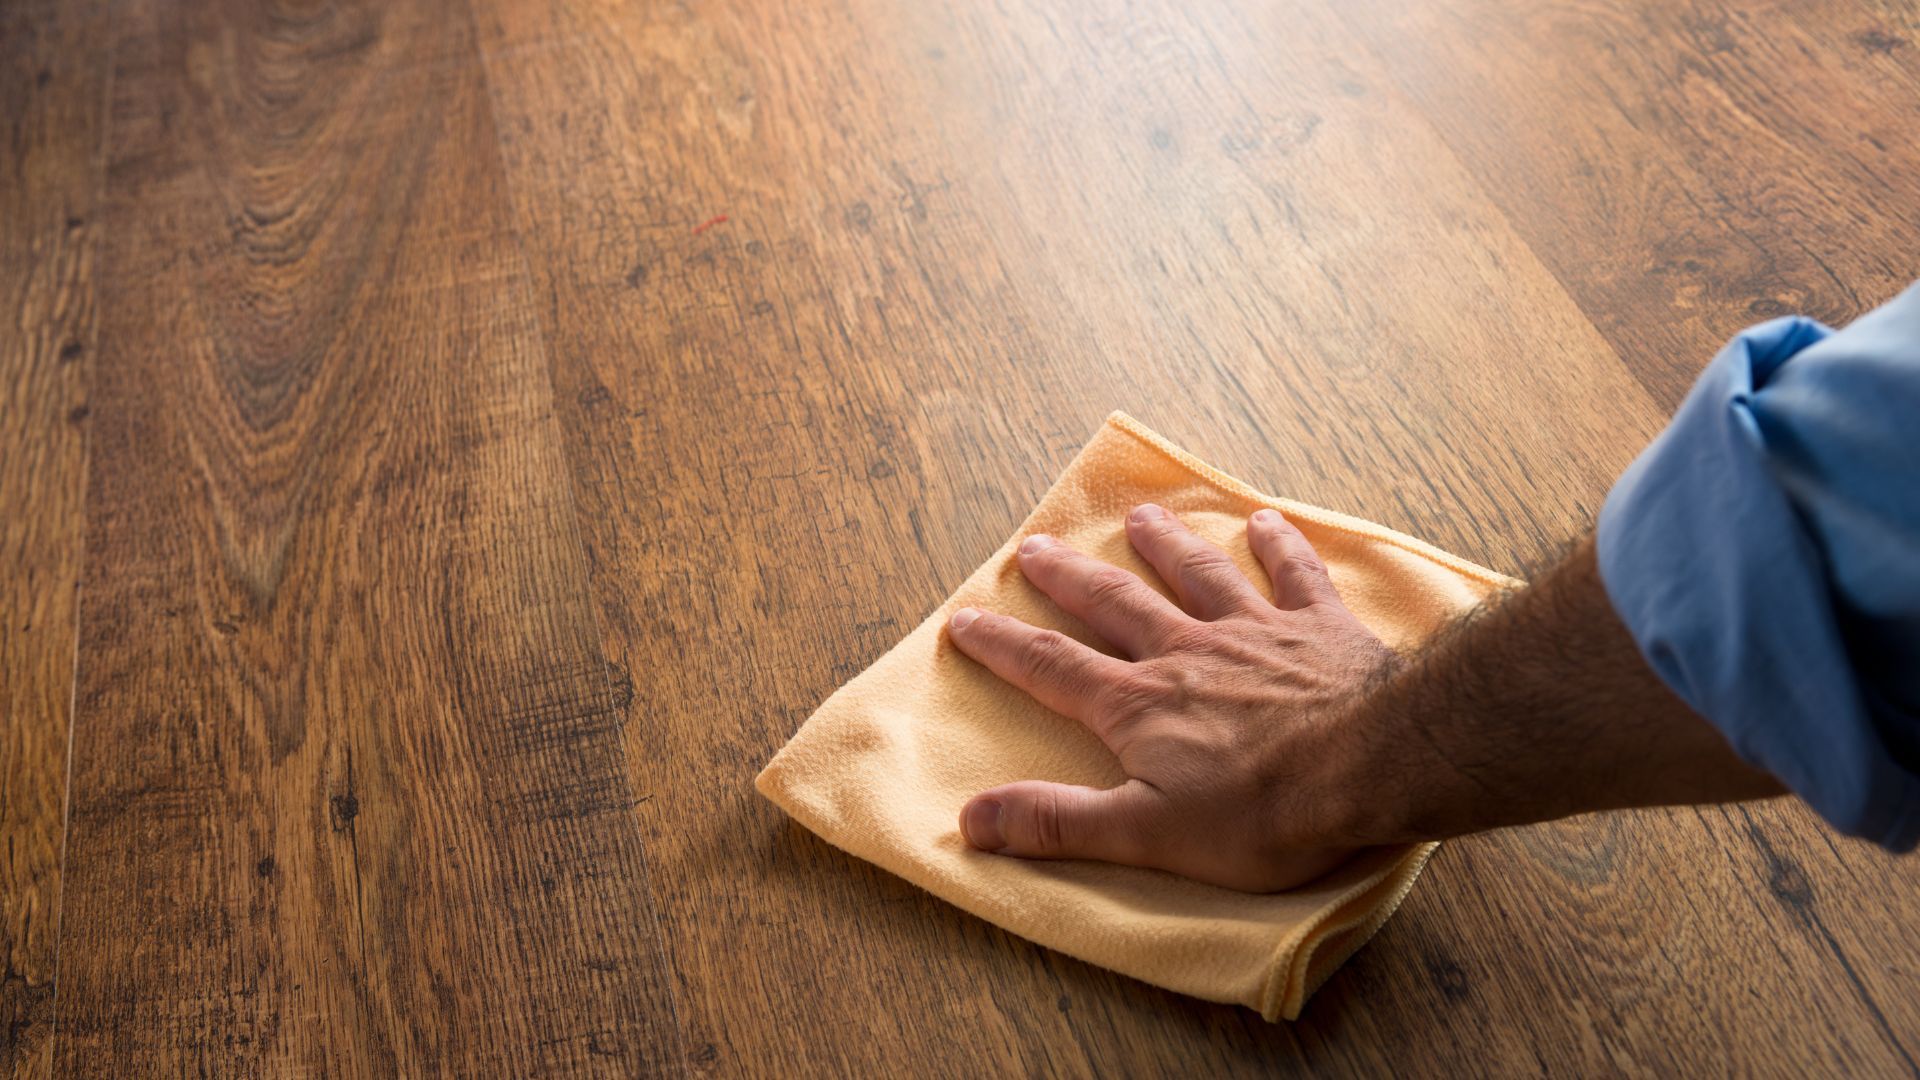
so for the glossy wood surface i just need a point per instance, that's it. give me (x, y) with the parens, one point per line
(447, 447)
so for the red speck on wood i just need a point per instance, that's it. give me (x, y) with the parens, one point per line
(720, 219)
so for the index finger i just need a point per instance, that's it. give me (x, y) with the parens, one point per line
(1058, 671)
(1118, 605)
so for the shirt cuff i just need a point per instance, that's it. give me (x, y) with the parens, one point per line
(1716, 576)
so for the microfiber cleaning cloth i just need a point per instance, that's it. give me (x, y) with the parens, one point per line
(882, 769)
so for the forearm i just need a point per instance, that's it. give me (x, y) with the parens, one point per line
(1535, 707)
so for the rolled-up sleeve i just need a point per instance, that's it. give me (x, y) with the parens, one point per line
(1764, 552)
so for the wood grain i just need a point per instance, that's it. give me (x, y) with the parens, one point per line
(509, 418)
(1718, 162)
(349, 789)
(905, 309)
(800, 429)
(51, 94)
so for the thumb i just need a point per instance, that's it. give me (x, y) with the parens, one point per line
(1037, 820)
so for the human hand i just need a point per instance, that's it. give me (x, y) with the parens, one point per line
(1225, 712)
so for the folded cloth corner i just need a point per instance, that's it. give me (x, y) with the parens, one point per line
(883, 767)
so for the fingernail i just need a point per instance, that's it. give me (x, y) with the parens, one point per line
(1267, 517)
(964, 616)
(982, 824)
(1147, 512)
(1036, 542)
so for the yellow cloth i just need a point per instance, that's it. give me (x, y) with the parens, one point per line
(884, 766)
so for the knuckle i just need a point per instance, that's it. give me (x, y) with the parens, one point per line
(1208, 568)
(1304, 564)
(1196, 637)
(1043, 653)
(1298, 569)
(1164, 685)
(1110, 585)
(1048, 821)
(1137, 692)
(1200, 560)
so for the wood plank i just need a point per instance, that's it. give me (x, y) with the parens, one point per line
(52, 89)
(1685, 169)
(1545, 876)
(953, 240)
(349, 789)
(440, 601)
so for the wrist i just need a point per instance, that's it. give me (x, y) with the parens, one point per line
(1374, 796)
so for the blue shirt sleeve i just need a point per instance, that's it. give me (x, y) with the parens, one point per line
(1764, 552)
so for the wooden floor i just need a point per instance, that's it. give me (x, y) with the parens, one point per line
(446, 447)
